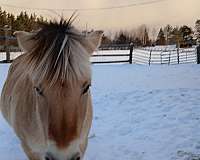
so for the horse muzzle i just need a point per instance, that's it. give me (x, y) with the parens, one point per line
(48, 156)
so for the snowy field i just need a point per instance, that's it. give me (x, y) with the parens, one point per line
(140, 113)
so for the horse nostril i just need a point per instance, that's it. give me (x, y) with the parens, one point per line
(78, 158)
(47, 157)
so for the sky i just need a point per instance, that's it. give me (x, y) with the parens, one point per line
(174, 12)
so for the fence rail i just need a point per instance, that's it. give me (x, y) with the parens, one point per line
(114, 47)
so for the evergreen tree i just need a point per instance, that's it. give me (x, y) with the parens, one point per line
(121, 38)
(176, 37)
(106, 40)
(137, 42)
(10, 19)
(3, 18)
(186, 36)
(32, 22)
(197, 31)
(161, 38)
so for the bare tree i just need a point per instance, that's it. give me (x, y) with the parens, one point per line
(167, 31)
(153, 35)
(142, 34)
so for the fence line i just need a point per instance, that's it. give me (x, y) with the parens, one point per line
(148, 55)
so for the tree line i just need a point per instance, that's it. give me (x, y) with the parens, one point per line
(183, 36)
(22, 21)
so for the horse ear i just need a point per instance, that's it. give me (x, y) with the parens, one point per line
(94, 40)
(25, 40)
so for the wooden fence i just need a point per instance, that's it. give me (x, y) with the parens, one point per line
(114, 54)
(9, 53)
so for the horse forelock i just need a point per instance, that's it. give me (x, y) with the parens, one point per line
(58, 54)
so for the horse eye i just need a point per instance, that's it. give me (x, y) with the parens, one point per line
(38, 90)
(85, 89)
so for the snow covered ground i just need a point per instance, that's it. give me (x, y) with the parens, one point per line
(140, 113)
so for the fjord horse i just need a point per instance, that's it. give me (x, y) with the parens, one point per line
(46, 97)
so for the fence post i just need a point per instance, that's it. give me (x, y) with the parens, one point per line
(150, 57)
(178, 54)
(131, 53)
(6, 29)
(198, 54)
(169, 58)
